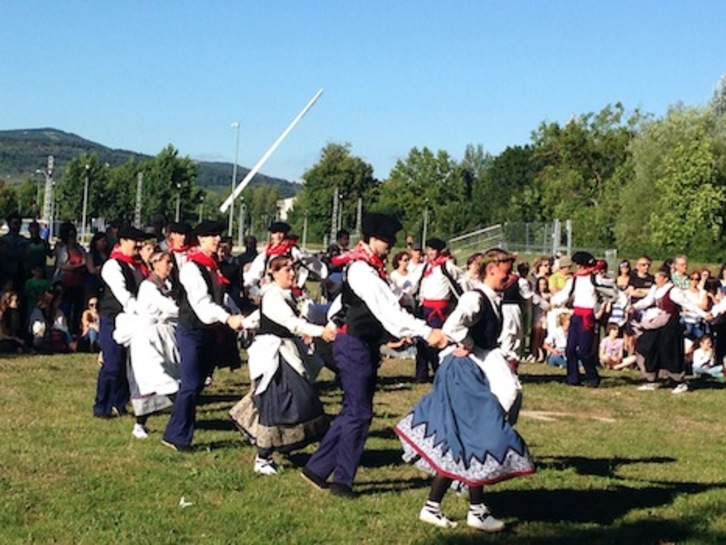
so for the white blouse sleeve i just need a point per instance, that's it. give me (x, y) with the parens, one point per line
(277, 309)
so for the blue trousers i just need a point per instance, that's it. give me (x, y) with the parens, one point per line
(580, 349)
(112, 388)
(196, 363)
(341, 449)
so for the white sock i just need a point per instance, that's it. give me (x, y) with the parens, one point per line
(433, 507)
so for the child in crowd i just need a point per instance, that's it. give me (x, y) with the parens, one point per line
(704, 359)
(35, 287)
(612, 350)
(556, 342)
(539, 320)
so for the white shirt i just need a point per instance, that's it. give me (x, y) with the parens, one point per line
(676, 294)
(434, 284)
(113, 277)
(199, 298)
(257, 270)
(378, 296)
(584, 295)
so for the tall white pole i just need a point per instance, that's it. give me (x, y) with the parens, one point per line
(255, 169)
(85, 204)
(139, 193)
(235, 125)
(241, 226)
(334, 219)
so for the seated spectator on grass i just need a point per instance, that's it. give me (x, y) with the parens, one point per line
(10, 328)
(704, 359)
(556, 342)
(35, 287)
(612, 350)
(90, 327)
(48, 324)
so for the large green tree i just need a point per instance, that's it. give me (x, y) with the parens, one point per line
(576, 163)
(428, 183)
(677, 197)
(337, 169)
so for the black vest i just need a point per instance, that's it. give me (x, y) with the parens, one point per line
(108, 305)
(270, 327)
(485, 332)
(511, 294)
(360, 321)
(188, 319)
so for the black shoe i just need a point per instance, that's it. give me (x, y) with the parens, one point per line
(103, 416)
(314, 479)
(176, 447)
(591, 384)
(343, 491)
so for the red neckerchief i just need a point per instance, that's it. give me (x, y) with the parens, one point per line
(181, 249)
(362, 252)
(117, 254)
(435, 262)
(280, 249)
(134, 261)
(208, 261)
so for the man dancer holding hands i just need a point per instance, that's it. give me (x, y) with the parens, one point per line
(368, 313)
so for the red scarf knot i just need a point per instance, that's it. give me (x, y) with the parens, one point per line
(284, 248)
(363, 252)
(208, 261)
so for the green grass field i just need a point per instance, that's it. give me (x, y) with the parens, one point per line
(615, 465)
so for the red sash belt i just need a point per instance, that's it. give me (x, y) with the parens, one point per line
(438, 307)
(587, 315)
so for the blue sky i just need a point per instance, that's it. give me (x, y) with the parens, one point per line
(139, 75)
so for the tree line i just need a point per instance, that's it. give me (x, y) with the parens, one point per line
(627, 180)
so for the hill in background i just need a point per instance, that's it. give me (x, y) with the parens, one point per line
(24, 151)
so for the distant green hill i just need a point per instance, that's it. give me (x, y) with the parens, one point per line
(24, 151)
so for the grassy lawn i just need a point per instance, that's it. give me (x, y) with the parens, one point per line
(615, 465)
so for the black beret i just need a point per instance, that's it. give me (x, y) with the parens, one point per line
(279, 227)
(583, 258)
(209, 228)
(381, 226)
(435, 243)
(181, 227)
(131, 233)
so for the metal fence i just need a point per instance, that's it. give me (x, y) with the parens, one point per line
(538, 238)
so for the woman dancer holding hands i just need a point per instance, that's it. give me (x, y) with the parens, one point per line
(282, 411)
(459, 432)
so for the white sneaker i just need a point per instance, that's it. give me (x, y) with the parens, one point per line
(140, 431)
(437, 519)
(208, 381)
(648, 387)
(682, 388)
(265, 466)
(484, 521)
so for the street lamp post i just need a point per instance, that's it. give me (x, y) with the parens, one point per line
(236, 125)
(178, 202)
(85, 203)
(201, 208)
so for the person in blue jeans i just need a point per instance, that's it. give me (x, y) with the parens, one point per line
(556, 342)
